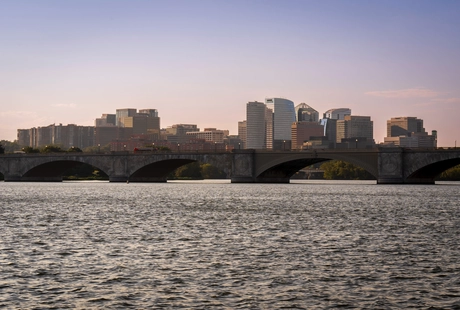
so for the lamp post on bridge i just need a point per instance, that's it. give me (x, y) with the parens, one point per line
(356, 143)
(178, 147)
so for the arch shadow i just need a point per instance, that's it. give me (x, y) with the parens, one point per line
(158, 171)
(53, 171)
(285, 170)
(431, 171)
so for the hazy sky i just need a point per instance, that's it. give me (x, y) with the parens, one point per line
(201, 61)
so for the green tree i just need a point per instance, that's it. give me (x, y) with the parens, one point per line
(96, 149)
(84, 172)
(452, 174)
(162, 149)
(189, 171)
(341, 170)
(9, 147)
(209, 171)
(51, 149)
(74, 149)
(28, 149)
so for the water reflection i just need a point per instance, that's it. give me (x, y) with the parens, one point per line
(236, 246)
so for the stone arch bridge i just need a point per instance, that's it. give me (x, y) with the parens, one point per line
(119, 166)
(387, 165)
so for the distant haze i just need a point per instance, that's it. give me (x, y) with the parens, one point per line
(200, 62)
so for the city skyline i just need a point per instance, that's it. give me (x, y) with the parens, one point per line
(201, 62)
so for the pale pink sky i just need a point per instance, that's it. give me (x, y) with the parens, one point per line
(201, 61)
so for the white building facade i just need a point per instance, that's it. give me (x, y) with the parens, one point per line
(305, 113)
(283, 117)
(339, 113)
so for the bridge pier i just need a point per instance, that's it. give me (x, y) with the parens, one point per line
(390, 166)
(147, 179)
(427, 181)
(272, 180)
(259, 180)
(124, 179)
(239, 179)
(387, 180)
(118, 178)
(243, 166)
(397, 166)
(12, 178)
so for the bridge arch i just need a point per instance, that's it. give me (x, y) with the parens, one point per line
(158, 171)
(287, 169)
(276, 168)
(53, 171)
(430, 171)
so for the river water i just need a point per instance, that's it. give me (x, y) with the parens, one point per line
(216, 245)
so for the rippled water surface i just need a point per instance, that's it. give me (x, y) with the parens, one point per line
(215, 245)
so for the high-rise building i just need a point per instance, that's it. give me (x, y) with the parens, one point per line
(149, 112)
(242, 134)
(304, 131)
(404, 126)
(209, 134)
(121, 113)
(153, 122)
(142, 124)
(355, 127)
(305, 113)
(409, 132)
(44, 136)
(329, 122)
(24, 137)
(259, 126)
(330, 131)
(283, 117)
(177, 133)
(146, 123)
(269, 128)
(137, 122)
(339, 113)
(107, 120)
(65, 136)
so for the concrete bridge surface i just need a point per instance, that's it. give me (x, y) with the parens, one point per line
(387, 165)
